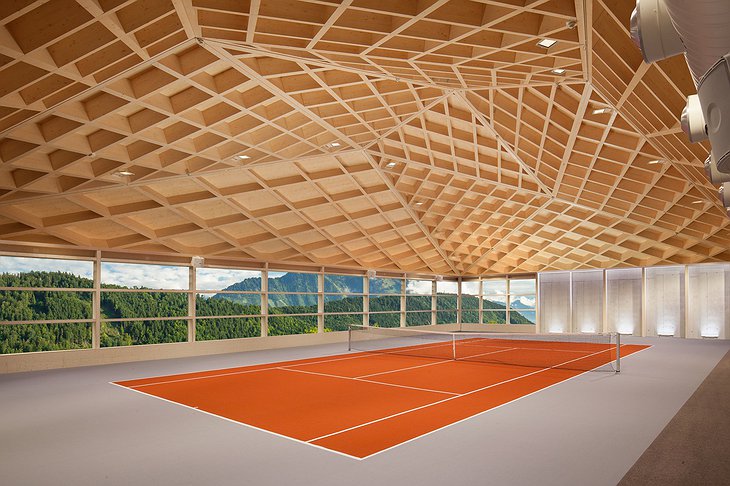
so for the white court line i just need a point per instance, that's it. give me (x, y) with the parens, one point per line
(452, 398)
(368, 381)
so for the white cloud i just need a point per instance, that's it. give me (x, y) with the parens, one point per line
(219, 279)
(419, 287)
(80, 268)
(141, 275)
(446, 287)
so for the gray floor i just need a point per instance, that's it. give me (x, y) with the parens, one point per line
(71, 427)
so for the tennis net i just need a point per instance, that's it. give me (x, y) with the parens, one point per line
(585, 352)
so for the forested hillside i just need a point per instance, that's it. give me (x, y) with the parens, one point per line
(340, 311)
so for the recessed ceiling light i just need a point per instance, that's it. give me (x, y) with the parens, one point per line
(698, 201)
(332, 145)
(547, 43)
(558, 71)
(123, 173)
(601, 111)
(390, 165)
(419, 203)
(241, 157)
(655, 162)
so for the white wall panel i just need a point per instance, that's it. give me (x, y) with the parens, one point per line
(709, 301)
(624, 300)
(555, 302)
(588, 301)
(665, 301)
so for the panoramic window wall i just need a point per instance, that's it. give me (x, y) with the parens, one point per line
(418, 302)
(447, 300)
(293, 303)
(385, 302)
(343, 301)
(470, 311)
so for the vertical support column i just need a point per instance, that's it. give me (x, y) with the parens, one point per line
(433, 303)
(506, 303)
(96, 309)
(643, 301)
(265, 302)
(403, 302)
(571, 327)
(320, 301)
(459, 289)
(685, 324)
(605, 303)
(192, 296)
(538, 324)
(366, 301)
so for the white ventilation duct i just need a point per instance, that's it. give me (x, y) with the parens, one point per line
(653, 32)
(704, 27)
(725, 194)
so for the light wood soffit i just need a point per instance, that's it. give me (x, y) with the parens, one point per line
(420, 137)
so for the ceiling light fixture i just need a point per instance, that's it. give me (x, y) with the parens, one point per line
(547, 43)
(655, 162)
(698, 201)
(602, 111)
(558, 71)
(390, 165)
(241, 157)
(123, 173)
(332, 145)
(419, 203)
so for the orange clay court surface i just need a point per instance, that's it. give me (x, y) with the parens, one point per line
(359, 404)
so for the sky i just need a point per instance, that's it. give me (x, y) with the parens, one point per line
(22, 265)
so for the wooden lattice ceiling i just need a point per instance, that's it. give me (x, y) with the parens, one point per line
(417, 136)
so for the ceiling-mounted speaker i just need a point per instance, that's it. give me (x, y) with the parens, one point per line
(197, 261)
(653, 32)
(714, 94)
(371, 273)
(693, 121)
(439, 278)
(714, 175)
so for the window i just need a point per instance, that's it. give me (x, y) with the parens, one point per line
(292, 303)
(446, 302)
(227, 304)
(36, 293)
(385, 295)
(522, 301)
(343, 301)
(143, 304)
(494, 301)
(470, 302)
(418, 302)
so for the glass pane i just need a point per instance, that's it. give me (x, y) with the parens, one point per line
(280, 325)
(522, 317)
(336, 303)
(45, 272)
(228, 305)
(469, 302)
(121, 305)
(494, 302)
(494, 287)
(341, 322)
(522, 302)
(384, 303)
(447, 287)
(418, 302)
(446, 302)
(137, 275)
(287, 302)
(470, 316)
(470, 287)
(343, 284)
(385, 320)
(418, 318)
(129, 333)
(26, 338)
(494, 317)
(418, 287)
(522, 286)
(292, 282)
(386, 286)
(228, 279)
(227, 328)
(28, 305)
(446, 317)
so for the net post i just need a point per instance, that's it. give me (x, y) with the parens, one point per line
(618, 352)
(349, 337)
(453, 346)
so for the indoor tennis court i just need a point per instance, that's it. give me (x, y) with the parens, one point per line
(362, 403)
